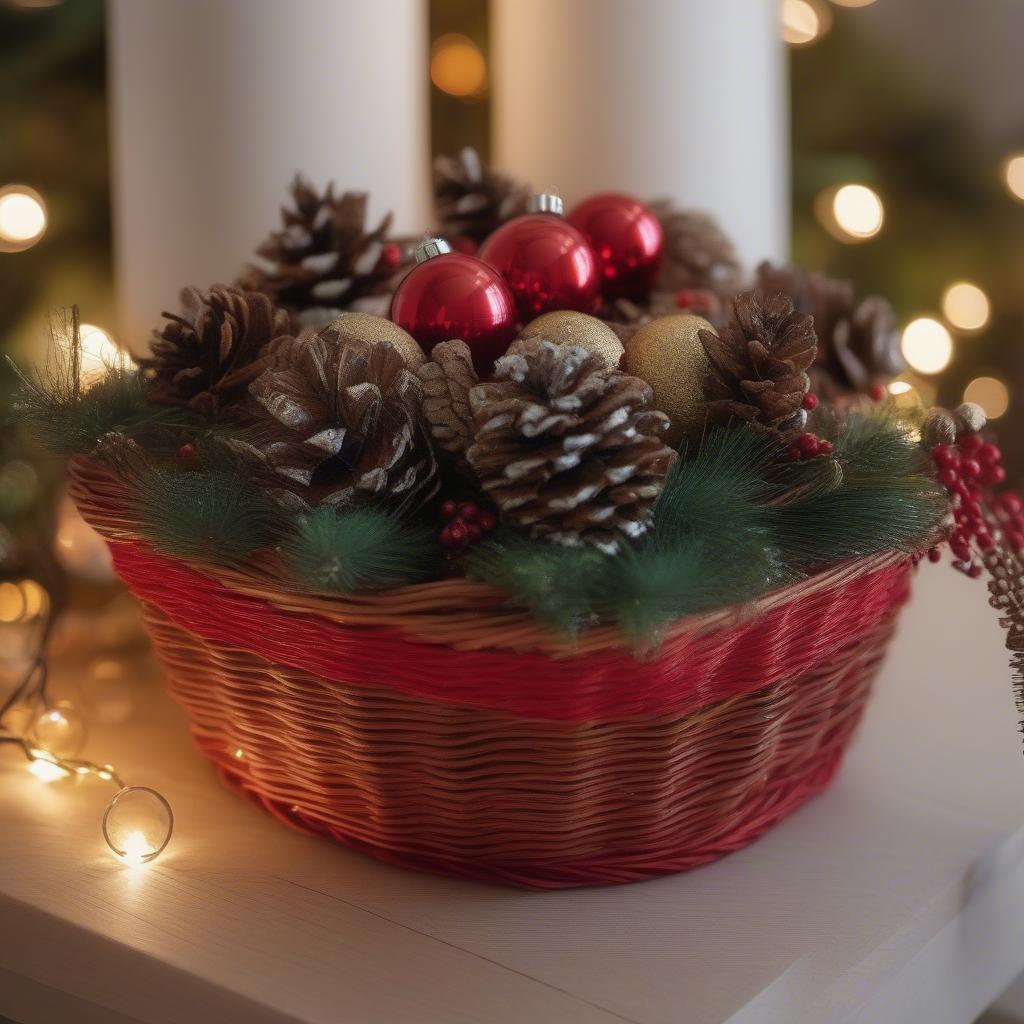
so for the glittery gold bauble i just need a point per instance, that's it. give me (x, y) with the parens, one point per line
(567, 327)
(667, 353)
(366, 327)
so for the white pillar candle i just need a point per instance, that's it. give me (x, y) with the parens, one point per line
(678, 98)
(216, 104)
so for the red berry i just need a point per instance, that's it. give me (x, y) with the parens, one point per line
(474, 532)
(934, 554)
(970, 468)
(446, 537)
(944, 456)
(970, 442)
(1011, 502)
(188, 454)
(448, 509)
(825, 448)
(390, 256)
(984, 539)
(975, 571)
(949, 477)
(809, 402)
(995, 475)
(989, 453)
(487, 522)
(469, 511)
(457, 530)
(808, 445)
(793, 451)
(877, 392)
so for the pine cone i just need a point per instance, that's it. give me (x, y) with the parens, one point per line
(697, 254)
(323, 260)
(858, 342)
(205, 358)
(567, 448)
(342, 424)
(471, 200)
(447, 381)
(758, 364)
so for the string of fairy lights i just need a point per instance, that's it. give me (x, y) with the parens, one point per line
(138, 821)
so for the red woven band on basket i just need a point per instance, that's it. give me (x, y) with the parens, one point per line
(782, 643)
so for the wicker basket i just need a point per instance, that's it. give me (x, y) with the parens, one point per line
(434, 727)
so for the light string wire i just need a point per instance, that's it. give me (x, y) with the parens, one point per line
(32, 689)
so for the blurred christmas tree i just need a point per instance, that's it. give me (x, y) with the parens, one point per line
(860, 114)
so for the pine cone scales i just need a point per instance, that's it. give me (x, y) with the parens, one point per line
(567, 448)
(697, 254)
(447, 381)
(323, 260)
(758, 364)
(471, 200)
(858, 341)
(343, 423)
(206, 357)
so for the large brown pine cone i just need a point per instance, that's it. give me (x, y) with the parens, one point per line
(471, 200)
(323, 260)
(567, 448)
(858, 340)
(206, 357)
(342, 424)
(696, 254)
(758, 364)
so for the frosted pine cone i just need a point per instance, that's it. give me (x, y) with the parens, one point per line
(567, 448)
(342, 424)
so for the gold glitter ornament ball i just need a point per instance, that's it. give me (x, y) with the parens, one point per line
(567, 327)
(667, 353)
(366, 327)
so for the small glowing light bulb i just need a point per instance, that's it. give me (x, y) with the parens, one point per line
(45, 770)
(926, 345)
(137, 824)
(59, 730)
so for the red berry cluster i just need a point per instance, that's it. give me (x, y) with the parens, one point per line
(808, 446)
(466, 523)
(965, 470)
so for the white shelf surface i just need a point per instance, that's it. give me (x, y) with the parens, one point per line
(896, 896)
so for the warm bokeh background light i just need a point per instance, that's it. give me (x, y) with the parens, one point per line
(22, 218)
(1013, 172)
(457, 66)
(965, 306)
(990, 393)
(802, 22)
(927, 345)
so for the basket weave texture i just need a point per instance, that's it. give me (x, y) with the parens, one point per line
(435, 727)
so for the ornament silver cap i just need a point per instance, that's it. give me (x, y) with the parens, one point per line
(546, 202)
(431, 247)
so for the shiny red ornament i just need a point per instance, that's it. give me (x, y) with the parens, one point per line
(545, 261)
(626, 238)
(451, 295)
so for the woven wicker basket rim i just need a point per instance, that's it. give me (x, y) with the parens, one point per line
(460, 613)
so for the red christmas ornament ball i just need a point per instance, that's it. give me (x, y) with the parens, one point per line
(626, 238)
(452, 295)
(545, 261)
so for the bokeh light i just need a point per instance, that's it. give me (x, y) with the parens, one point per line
(22, 218)
(457, 66)
(965, 306)
(853, 3)
(803, 21)
(991, 393)
(1013, 171)
(858, 211)
(927, 345)
(99, 353)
